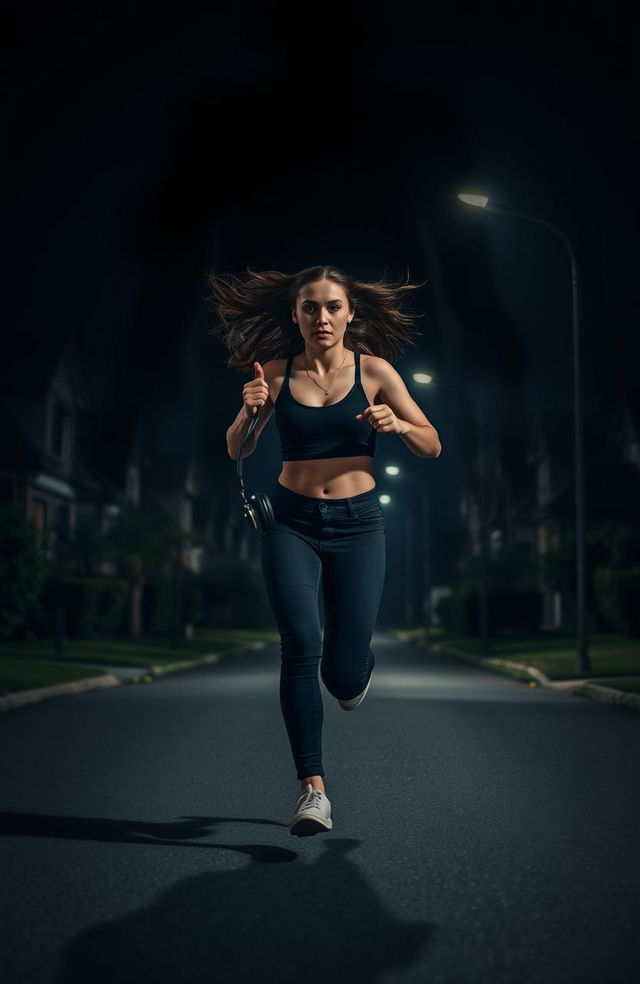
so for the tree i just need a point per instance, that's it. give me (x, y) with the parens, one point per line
(142, 541)
(22, 569)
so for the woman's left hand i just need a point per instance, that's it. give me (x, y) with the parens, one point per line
(382, 418)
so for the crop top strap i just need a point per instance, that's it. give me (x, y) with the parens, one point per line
(357, 360)
(287, 371)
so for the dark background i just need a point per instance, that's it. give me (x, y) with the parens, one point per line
(149, 145)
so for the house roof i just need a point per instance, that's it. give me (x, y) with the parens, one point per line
(20, 453)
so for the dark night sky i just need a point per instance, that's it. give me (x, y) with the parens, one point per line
(151, 144)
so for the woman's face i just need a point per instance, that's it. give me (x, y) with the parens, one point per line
(322, 305)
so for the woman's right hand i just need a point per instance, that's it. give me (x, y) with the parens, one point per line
(256, 392)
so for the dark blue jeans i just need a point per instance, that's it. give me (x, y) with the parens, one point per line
(339, 543)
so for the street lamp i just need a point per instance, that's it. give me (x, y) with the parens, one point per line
(583, 662)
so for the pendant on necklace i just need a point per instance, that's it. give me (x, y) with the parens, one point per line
(326, 392)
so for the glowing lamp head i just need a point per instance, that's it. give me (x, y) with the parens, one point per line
(480, 201)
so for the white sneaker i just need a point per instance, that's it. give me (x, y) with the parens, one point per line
(312, 814)
(349, 705)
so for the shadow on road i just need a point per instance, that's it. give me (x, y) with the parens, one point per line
(317, 920)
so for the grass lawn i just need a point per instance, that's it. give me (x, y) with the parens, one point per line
(611, 656)
(631, 683)
(29, 674)
(25, 665)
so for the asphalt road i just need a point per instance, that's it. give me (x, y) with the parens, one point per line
(484, 831)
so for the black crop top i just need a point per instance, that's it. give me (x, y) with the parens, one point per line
(324, 432)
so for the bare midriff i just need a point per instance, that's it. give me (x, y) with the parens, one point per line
(329, 478)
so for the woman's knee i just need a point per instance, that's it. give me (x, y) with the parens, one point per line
(301, 647)
(343, 674)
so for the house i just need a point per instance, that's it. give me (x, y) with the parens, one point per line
(175, 486)
(42, 399)
(523, 502)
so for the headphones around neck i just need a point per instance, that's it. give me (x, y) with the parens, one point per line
(257, 509)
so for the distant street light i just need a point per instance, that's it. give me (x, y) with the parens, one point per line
(583, 662)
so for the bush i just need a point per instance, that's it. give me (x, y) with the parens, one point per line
(159, 609)
(92, 606)
(444, 609)
(234, 596)
(608, 545)
(157, 605)
(193, 599)
(616, 543)
(617, 595)
(113, 606)
(520, 610)
(459, 612)
(22, 570)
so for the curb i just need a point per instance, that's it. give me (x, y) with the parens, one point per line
(185, 664)
(22, 697)
(584, 688)
(608, 695)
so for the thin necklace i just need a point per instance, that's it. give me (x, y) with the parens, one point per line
(326, 392)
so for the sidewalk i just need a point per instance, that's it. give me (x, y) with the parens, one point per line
(113, 676)
(526, 672)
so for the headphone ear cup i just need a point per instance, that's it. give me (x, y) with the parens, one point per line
(263, 510)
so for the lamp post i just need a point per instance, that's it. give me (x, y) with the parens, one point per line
(583, 662)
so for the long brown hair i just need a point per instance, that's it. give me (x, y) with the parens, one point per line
(254, 314)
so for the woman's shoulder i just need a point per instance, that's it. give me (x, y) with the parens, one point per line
(374, 361)
(373, 366)
(274, 371)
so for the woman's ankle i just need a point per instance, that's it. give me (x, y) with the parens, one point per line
(316, 782)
